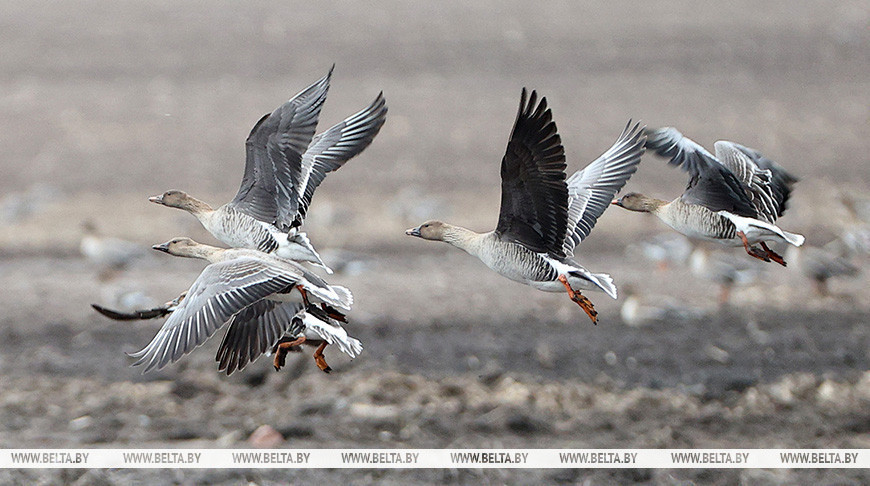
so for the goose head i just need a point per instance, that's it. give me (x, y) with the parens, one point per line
(183, 247)
(430, 230)
(180, 200)
(634, 201)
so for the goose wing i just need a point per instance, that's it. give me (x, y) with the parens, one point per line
(711, 184)
(332, 148)
(220, 291)
(254, 330)
(591, 190)
(769, 185)
(534, 195)
(273, 163)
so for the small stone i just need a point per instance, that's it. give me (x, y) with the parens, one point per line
(265, 437)
(80, 423)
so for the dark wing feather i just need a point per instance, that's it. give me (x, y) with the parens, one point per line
(711, 184)
(776, 187)
(332, 148)
(534, 195)
(135, 315)
(253, 331)
(273, 163)
(220, 291)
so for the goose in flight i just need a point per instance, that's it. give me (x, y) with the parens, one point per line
(733, 197)
(250, 290)
(544, 216)
(285, 163)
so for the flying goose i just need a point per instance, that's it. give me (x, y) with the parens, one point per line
(723, 270)
(821, 264)
(733, 197)
(239, 286)
(283, 167)
(543, 216)
(110, 254)
(256, 328)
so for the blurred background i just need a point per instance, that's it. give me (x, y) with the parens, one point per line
(104, 103)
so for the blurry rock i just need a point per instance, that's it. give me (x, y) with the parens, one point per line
(717, 354)
(229, 439)
(80, 423)
(523, 424)
(492, 372)
(375, 413)
(265, 437)
(94, 477)
(184, 389)
(610, 358)
(296, 431)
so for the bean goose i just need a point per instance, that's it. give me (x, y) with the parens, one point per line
(284, 166)
(543, 216)
(259, 294)
(733, 197)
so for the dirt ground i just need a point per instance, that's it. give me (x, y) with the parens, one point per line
(103, 104)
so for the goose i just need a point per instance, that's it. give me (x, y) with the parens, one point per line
(821, 264)
(109, 253)
(663, 249)
(251, 330)
(285, 163)
(543, 217)
(722, 270)
(234, 280)
(733, 197)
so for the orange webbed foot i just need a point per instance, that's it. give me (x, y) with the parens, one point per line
(281, 350)
(580, 300)
(772, 255)
(320, 360)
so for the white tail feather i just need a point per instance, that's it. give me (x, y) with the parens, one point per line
(334, 334)
(604, 282)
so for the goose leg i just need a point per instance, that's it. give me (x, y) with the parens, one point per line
(304, 294)
(281, 350)
(751, 250)
(773, 255)
(724, 295)
(320, 360)
(580, 300)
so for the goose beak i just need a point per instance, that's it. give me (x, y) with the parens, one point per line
(164, 247)
(156, 199)
(413, 231)
(616, 202)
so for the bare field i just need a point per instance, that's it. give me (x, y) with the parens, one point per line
(106, 103)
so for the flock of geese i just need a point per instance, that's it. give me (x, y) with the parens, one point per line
(262, 290)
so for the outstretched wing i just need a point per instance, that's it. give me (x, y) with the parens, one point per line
(254, 330)
(711, 184)
(769, 184)
(332, 148)
(273, 164)
(534, 195)
(591, 190)
(220, 291)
